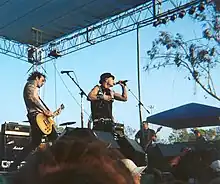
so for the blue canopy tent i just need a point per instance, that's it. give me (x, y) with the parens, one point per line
(187, 116)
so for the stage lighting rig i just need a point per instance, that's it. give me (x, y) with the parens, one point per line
(192, 10)
(182, 14)
(173, 17)
(201, 7)
(157, 23)
(54, 53)
(164, 20)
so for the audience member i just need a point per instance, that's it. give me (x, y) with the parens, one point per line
(135, 171)
(76, 161)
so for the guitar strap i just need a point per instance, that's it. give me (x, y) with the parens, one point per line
(44, 104)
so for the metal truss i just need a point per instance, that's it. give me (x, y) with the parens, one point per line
(13, 49)
(123, 23)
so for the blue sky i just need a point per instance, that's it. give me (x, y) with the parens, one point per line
(164, 89)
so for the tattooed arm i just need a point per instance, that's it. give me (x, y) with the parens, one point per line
(93, 95)
(31, 97)
(121, 97)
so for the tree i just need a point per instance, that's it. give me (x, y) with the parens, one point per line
(183, 135)
(198, 56)
(210, 21)
(161, 140)
(129, 131)
(217, 2)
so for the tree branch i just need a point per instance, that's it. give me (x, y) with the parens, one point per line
(209, 78)
(206, 90)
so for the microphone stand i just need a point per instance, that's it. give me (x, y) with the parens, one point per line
(81, 94)
(139, 102)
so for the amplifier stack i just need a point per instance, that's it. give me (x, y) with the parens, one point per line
(14, 137)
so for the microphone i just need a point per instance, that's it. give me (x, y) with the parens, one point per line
(123, 82)
(62, 72)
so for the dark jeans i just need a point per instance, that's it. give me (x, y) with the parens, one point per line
(36, 138)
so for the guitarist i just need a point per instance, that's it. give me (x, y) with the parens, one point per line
(149, 135)
(34, 106)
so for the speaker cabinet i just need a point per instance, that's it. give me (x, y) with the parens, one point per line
(132, 150)
(161, 155)
(13, 145)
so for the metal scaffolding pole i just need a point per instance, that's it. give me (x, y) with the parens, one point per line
(139, 76)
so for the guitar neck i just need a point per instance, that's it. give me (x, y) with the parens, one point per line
(55, 113)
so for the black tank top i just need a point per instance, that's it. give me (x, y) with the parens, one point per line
(102, 108)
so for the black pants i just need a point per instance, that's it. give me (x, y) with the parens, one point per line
(105, 126)
(36, 138)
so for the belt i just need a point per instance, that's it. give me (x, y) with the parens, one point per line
(102, 120)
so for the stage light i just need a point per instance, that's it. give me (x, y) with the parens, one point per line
(164, 20)
(182, 14)
(173, 17)
(54, 53)
(157, 22)
(192, 10)
(201, 7)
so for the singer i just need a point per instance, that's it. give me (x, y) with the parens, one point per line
(102, 98)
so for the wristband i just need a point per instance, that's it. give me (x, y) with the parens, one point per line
(100, 97)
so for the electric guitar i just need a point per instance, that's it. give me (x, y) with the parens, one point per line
(46, 123)
(151, 140)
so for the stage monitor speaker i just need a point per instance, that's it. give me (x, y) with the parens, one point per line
(160, 155)
(107, 137)
(90, 135)
(170, 150)
(132, 150)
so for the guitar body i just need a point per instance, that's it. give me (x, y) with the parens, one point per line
(45, 123)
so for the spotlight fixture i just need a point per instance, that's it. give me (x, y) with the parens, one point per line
(164, 20)
(54, 53)
(182, 14)
(192, 10)
(157, 22)
(173, 17)
(201, 7)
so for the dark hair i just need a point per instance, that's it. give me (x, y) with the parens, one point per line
(105, 76)
(35, 75)
(77, 162)
(215, 181)
(174, 182)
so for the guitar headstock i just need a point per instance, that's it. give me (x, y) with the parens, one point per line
(58, 111)
(62, 106)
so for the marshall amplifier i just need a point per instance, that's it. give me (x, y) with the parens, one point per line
(11, 128)
(14, 137)
(13, 145)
